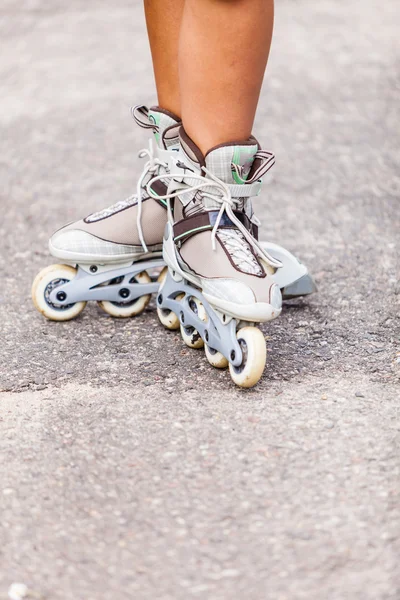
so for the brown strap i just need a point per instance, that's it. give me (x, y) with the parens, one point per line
(204, 221)
(159, 188)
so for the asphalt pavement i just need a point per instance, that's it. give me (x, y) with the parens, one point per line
(129, 467)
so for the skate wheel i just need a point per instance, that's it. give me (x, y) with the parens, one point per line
(44, 283)
(162, 275)
(167, 317)
(252, 343)
(131, 308)
(216, 359)
(190, 335)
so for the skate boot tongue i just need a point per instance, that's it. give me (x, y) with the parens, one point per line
(167, 127)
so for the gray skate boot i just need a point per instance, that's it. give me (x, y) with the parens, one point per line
(107, 255)
(220, 281)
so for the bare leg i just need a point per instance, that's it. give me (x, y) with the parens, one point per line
(163, 18)
(223, 52)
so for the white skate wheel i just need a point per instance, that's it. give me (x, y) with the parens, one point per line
(44, 283)
(162, 275)
(216, 359)
(167, 317)
(130, 308)
(252, 343)
(190, 335)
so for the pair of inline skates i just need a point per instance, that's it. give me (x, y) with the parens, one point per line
(188, 235)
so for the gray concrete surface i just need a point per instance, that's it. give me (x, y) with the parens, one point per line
(131, 469)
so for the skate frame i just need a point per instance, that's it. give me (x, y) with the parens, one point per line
(293, 279)
(93, 286)
(218, 335)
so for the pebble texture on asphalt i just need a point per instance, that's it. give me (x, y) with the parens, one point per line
(130, 467)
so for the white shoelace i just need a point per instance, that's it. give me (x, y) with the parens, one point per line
(140, 114)
(228, 205)
(152, 166)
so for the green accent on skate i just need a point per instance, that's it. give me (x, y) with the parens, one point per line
(192, 231)
(236, 161)
(237, 154)
(155, 195)
(236, 178)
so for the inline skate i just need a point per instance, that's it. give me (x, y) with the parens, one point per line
(108, 255)
(220, 280)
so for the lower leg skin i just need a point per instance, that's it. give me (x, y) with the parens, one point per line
(223, 53)
(163, 19)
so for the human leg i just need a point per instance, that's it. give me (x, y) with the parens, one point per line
(223, 52)
(163, 19)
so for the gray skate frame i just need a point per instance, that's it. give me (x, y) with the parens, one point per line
(293, 279)
(87, 286)
(217, 335)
